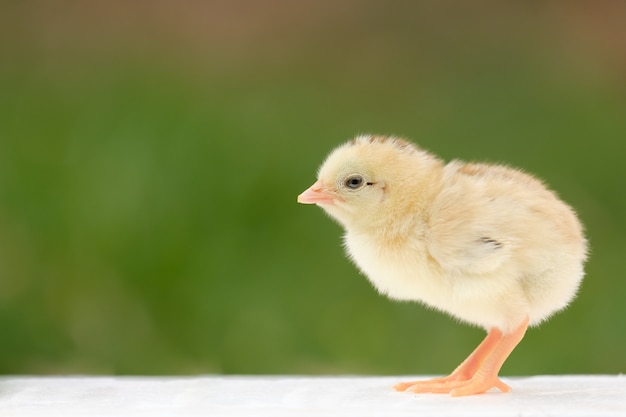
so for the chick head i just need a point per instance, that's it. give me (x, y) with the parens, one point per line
(360, 181)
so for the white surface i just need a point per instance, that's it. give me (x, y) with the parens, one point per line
(277, 396)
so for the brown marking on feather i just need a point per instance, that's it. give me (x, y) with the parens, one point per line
(496, 244)
(400, 144)
(473, 169)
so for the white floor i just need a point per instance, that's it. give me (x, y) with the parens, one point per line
(275, 396)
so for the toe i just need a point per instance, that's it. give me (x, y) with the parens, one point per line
(403, 386)
(476, 386)
(435, 385)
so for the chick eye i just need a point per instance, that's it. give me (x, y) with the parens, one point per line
(354, 181)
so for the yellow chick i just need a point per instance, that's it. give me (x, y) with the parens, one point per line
(490, 245)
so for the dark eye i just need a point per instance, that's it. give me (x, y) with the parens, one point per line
(354, 181)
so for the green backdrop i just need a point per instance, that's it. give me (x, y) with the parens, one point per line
(151, 155)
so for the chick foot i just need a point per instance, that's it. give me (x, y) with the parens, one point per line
(454, 387)
(479, 372)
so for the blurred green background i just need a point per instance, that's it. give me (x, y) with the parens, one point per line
(151, 154)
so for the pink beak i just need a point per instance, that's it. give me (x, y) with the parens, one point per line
(316, 194)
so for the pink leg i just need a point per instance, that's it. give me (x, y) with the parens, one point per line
(479, 372)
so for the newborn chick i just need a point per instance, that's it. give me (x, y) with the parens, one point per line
(490, 245)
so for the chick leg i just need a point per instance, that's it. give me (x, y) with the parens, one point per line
(479, 372)
(486, 377)
(463, 372)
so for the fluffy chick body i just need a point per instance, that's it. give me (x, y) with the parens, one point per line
(488, 244)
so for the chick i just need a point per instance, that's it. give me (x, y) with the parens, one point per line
(489, 245)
